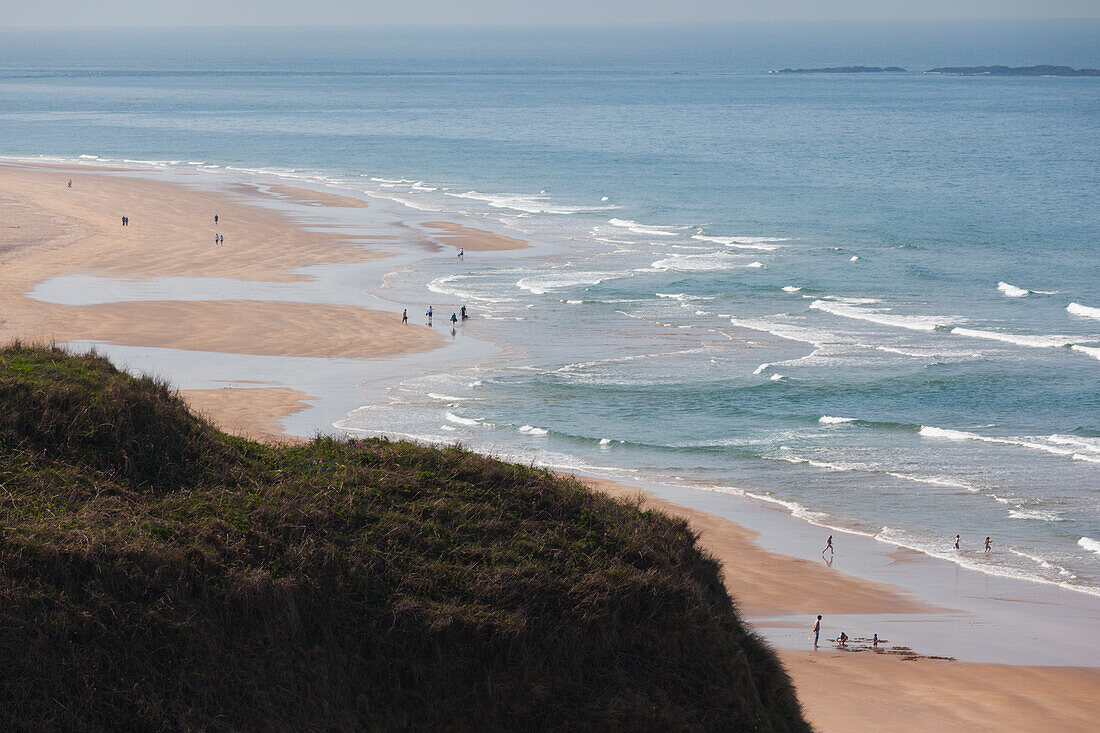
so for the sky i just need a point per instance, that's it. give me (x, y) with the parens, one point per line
(91, 13)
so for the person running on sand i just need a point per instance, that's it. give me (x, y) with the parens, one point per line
(828, 546)
(956, 542)
(817, 630)
(987, 546)
(405, 316)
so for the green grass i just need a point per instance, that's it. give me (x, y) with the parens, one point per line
(156, 574)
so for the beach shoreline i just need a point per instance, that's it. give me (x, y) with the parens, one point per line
(76, 231)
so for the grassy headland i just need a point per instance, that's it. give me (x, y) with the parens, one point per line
(158, 574)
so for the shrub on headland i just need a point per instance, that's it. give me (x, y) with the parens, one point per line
(157, 574)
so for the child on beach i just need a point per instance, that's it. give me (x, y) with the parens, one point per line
(842, 640)
(405, 316)
(987, 547)
(828, 546)
(454, 319)
(956, 542)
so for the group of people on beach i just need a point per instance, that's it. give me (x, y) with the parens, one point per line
(988, 544)
(430, 313)
(958, 545)
(841, 640)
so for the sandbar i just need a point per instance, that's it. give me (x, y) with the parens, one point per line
(475, 240)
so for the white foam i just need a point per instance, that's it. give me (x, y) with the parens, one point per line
(853, 258)
(1012, 291)
(928, 431)
(605, 441)
(1083, 310)
(881, 317)
(761, 368)
(537, 204)
(445, 286)
(540, 284)
(762, 243)
(935, 481)
(1035, 514)
(829, 420)
(651, 230)
(790, 289)
(531, 430)
(1093, 351)
(711, 261)
(1033, 342)
(1089, 445)
(451, 417)
(1089, 544)
(776, 377)
(445, 397)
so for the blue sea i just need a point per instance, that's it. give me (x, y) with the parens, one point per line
(870, 299)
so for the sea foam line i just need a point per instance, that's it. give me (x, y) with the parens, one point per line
(881, 317)
(928, 431)
(1083, 310)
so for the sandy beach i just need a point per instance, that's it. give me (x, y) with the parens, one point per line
(49, 230)
(863, 689)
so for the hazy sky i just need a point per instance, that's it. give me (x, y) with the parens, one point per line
(69, 13)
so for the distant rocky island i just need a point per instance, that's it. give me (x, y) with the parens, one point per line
(1041, 70)
(841, 70)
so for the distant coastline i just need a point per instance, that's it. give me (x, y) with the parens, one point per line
(1038, 70)
(842, 70)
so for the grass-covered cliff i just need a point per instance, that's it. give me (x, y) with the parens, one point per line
(157, 574)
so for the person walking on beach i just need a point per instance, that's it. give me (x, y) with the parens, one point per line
(125, 220)
(70, 183)
(987, 546)
(828, 545)
(956, 542)
(215, 219)
(405, 317)
(454, 320)
(461, 253)
(429, 315)
(874, 641)
(817, 630)
(462, 310)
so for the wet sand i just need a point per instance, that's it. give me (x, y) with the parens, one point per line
(48, 229)
(475, 240)
(254, 412)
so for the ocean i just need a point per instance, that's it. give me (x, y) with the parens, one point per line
(872, 300)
